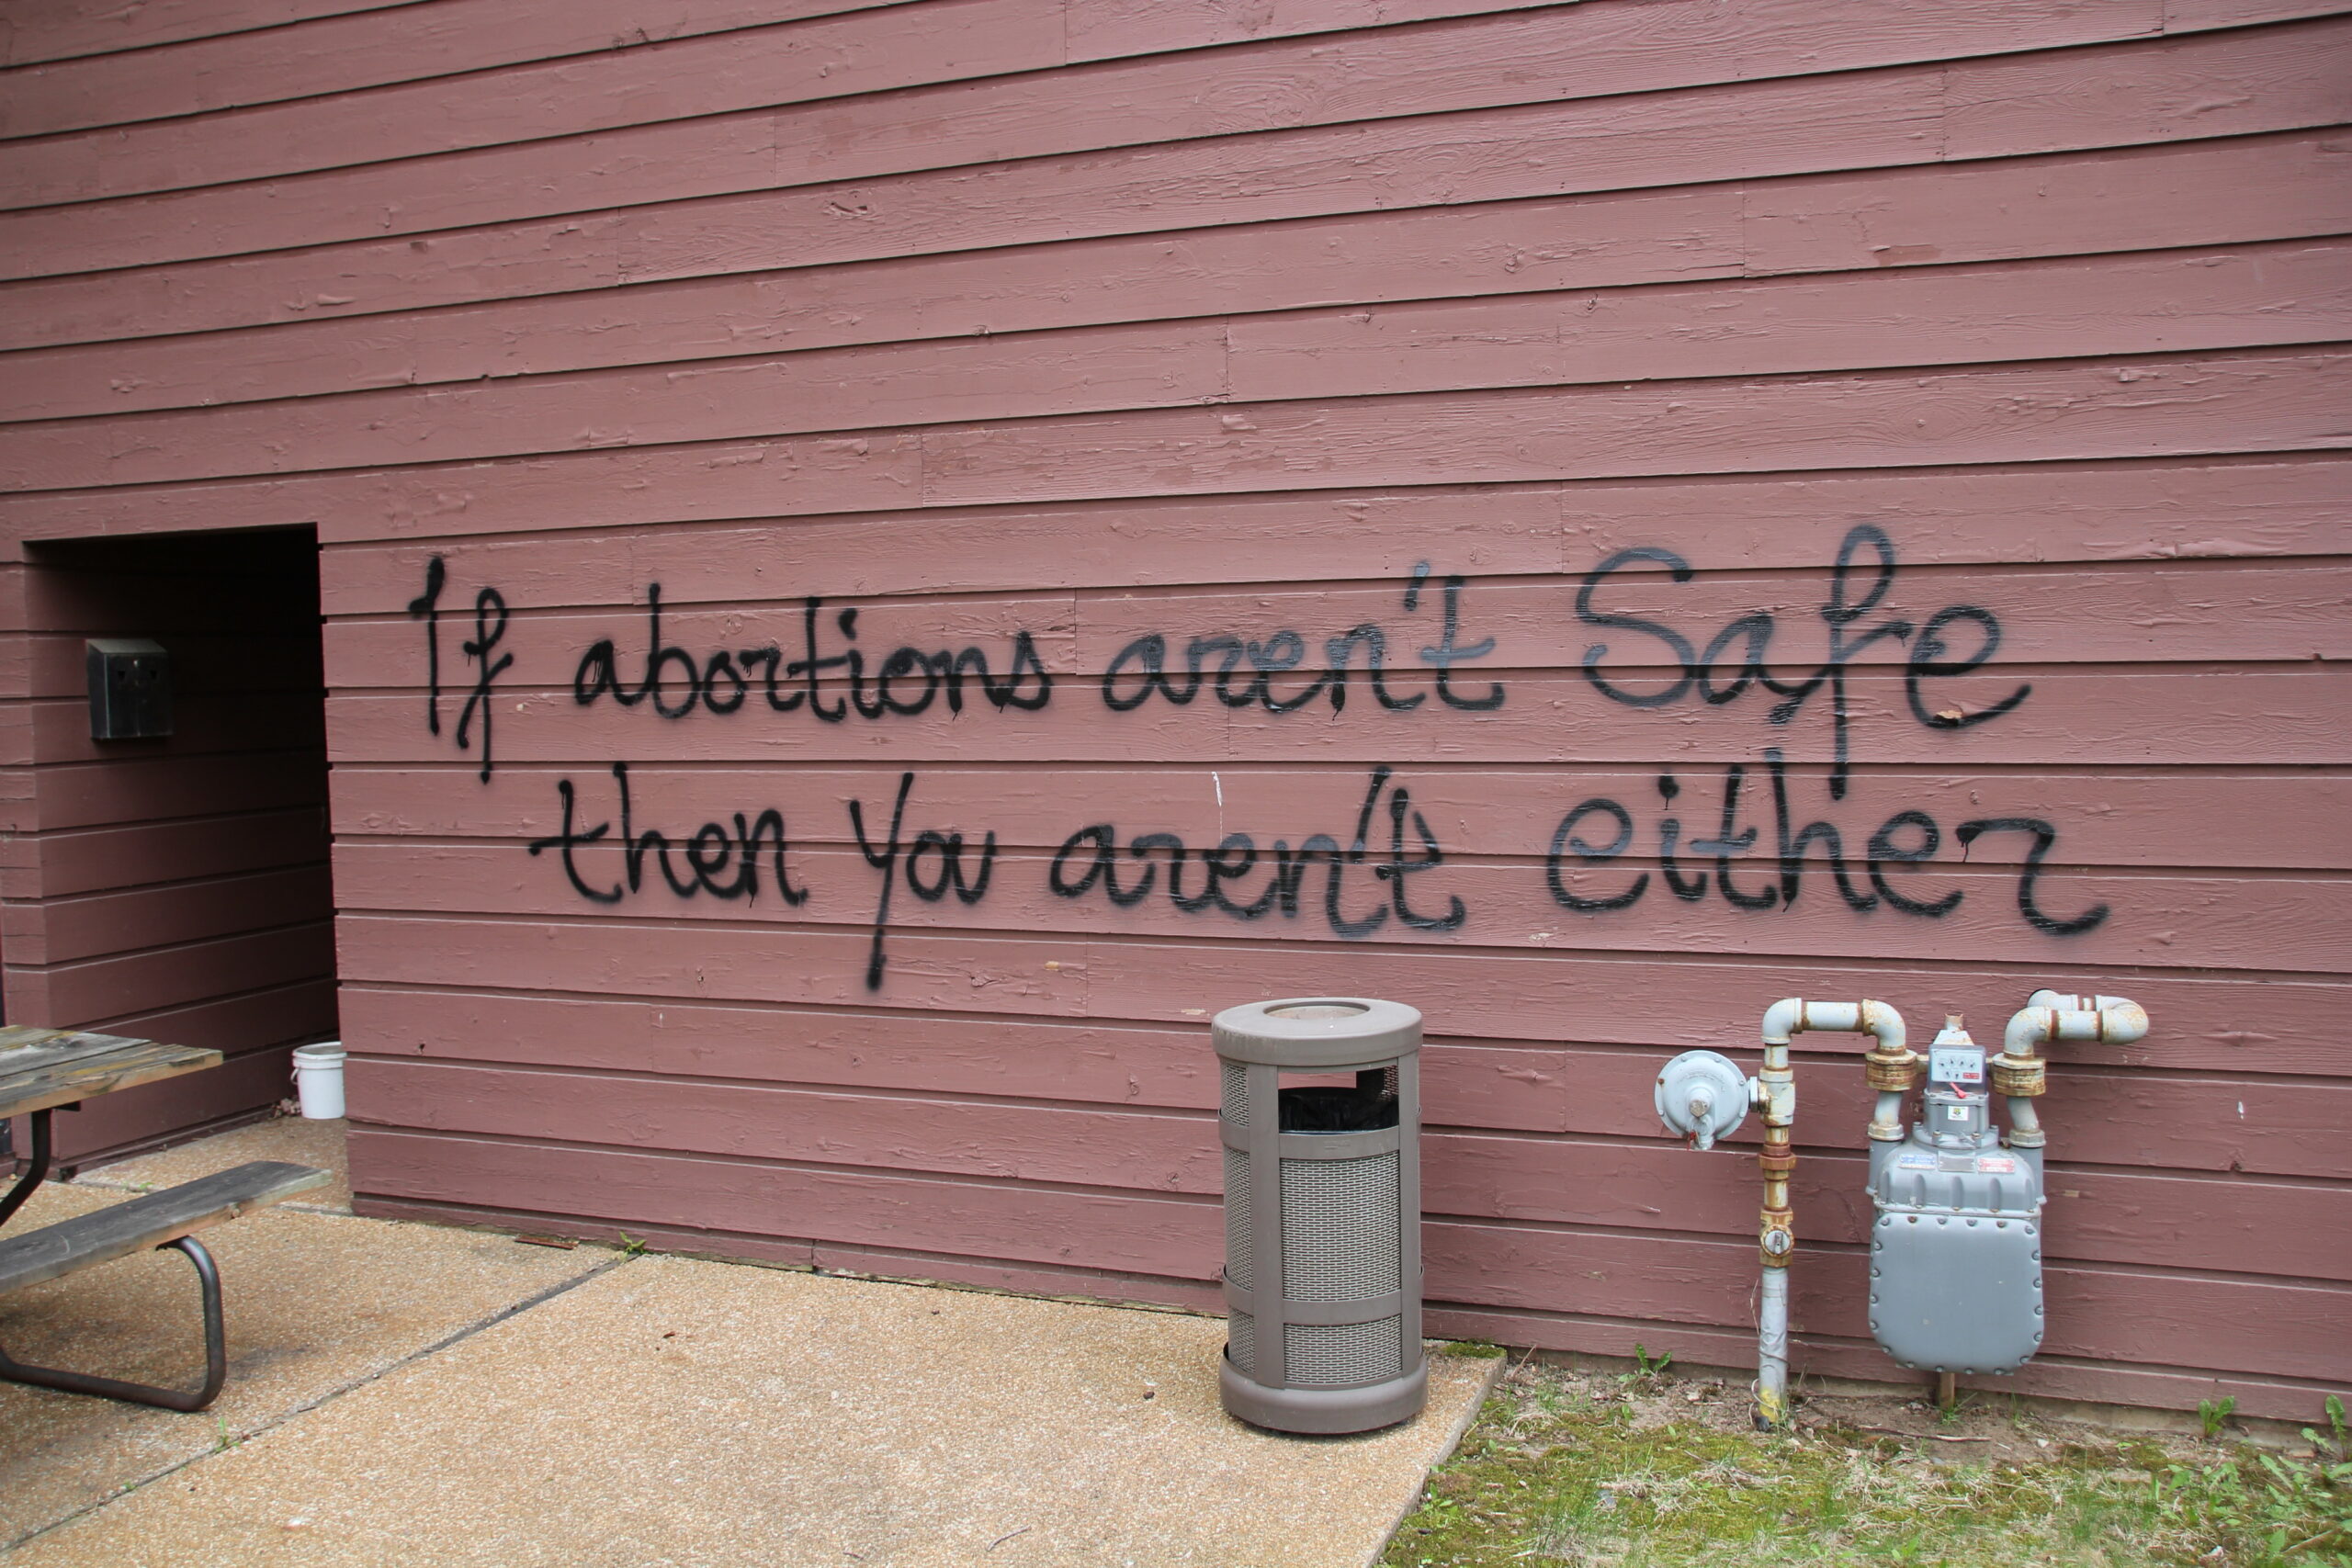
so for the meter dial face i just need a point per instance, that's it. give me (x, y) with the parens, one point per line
(1956, 1064)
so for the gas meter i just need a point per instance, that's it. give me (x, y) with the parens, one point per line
(1956, 1233)
(1956, 1205)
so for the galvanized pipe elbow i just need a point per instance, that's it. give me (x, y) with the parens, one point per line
(2027, 1028)
(1883, 1024)
(1782, 1019)
(2121, 1020)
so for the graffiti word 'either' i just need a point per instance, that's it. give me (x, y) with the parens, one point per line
(1601, 829)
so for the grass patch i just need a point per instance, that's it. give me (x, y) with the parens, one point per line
(1644, 1470)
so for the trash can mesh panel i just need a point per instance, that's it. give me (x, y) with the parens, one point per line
(1237, 1094)
(1237, 1217)
(1336, 1355)
(1341, 1235)
(1241, 1341)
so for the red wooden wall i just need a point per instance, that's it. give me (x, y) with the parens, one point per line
(1605, 331)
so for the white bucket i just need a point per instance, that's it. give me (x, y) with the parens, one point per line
(318, 1080)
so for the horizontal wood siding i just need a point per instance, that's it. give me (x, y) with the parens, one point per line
(1638, 509)
(177, 888)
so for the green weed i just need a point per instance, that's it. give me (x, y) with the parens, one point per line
(2257, 1510)
(2335, 1438)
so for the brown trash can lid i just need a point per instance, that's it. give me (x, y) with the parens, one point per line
(1314, 1032)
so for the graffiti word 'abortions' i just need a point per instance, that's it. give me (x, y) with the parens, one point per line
(1246, 671)
(1598, 831)
(828, 686)
(1090, 860)
(1719, 675)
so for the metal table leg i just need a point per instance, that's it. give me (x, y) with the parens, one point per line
(35, 1175)
(216, 1353)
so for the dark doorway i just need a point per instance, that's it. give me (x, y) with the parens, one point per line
(177, 888)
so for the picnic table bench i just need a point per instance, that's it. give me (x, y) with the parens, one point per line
(43, 1069)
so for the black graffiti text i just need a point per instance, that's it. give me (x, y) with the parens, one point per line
(712, 860)
(1092, 858)
(1733, 657)
(1272, 673)
(1601, 829)
(673, 682)
(427, 606)
(903, 863)
(490, 630)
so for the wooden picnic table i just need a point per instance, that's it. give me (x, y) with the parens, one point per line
(42, 1069)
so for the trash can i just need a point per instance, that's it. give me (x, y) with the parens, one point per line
(1322, 1214)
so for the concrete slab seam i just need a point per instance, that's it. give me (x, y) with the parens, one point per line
(467, 1332)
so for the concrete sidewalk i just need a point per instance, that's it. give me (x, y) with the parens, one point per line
(404, 1393)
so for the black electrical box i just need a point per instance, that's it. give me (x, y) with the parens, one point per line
(131, 689)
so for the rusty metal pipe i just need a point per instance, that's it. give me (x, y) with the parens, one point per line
(2018, 1075)
(2060, 999)
(1776, 1094)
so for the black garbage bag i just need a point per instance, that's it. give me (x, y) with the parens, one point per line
(1336, 1109)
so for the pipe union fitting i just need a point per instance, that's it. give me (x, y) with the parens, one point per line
(1892, 1073)
(2019, 1077)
